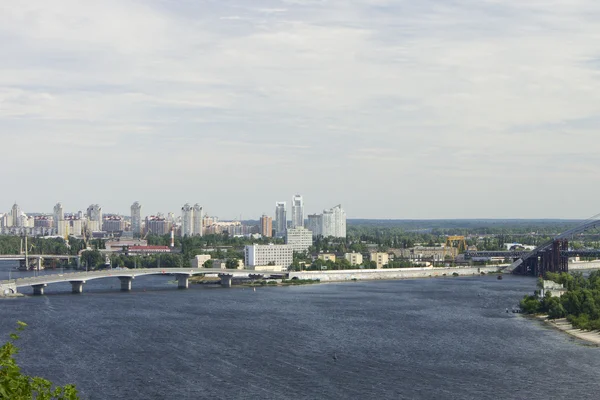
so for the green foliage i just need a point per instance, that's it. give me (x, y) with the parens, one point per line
(51, 245)
(16, 386)
(92, 259)
(580, 304)
(300, 281)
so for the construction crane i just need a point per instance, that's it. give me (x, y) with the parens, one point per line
(455, 241)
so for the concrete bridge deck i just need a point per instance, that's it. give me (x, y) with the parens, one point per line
(78, 279)
(10, 257)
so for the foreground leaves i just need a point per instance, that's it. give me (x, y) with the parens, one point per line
(16, 386)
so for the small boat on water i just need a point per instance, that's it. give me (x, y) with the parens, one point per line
(499, 277)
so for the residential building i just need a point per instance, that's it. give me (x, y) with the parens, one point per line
(331, 223)
(280, 218)
(136, 219)
(299, 238)
(354, 258)
(271, 254)
(59, 214)
(266, 226)
(157, 225)
(43, 221)
(326, 257)
(113, 223)
(94, 214)
(381, 259)
(16, 219)
(315, 224)
(73, 225)
(187, 220)
(297, 219)
(197, 220)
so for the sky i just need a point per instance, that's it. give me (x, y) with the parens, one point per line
(395, 109)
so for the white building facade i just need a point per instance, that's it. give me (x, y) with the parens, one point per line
(331, 223)
(299, 238)
(187, 220)
(274, 254)
(297, 219)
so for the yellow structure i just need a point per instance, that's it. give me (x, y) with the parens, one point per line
(327, 257)
(381, 259)
(455, 241)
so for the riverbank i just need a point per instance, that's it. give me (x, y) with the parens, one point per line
(592, 337)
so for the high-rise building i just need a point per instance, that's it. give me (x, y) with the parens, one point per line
(157, 225)
(113, 223)
(59, 214)
(280, 218)
(197, 219)
(339, 225)
(94, 214)
(297, 212)
(272, 254)
(299, 238)
(187, 220)
(331, 223)
(334, 222)
(266, 226)
(315, 224)
(136, 219)
(16, 216)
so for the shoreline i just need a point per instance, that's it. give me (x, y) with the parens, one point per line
(562, 325)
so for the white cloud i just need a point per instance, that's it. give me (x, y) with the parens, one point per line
(317, 97)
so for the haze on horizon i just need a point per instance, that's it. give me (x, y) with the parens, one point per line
(395, 109)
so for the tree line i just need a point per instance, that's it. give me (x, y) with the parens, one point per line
(580, 304)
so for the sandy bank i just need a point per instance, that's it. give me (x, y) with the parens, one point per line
(565, 326)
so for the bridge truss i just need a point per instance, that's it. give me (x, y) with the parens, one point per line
(553, 256)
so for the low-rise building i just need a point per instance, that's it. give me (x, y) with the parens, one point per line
(354, 258)
(382, 259)
(270, 268)
(199, 260)
(555, 289)
(327, 257)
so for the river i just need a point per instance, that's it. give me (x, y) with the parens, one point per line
(444, 338)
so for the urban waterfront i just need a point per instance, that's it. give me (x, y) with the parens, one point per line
(426, 338)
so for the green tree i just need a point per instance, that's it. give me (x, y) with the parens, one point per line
(92, 258)
(15, 385)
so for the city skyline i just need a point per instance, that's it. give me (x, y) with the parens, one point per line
(452, 109)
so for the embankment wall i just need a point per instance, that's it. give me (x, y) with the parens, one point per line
(391, 273)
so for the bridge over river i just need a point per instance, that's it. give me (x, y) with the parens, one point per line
(553, 256)
(126, 276)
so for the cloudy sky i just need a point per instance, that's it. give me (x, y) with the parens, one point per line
(396, 109)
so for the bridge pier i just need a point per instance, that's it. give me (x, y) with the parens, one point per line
(226, 280)
(126, 283)
(77, 286)
(78, 262)
(183, 281)
(38, 290)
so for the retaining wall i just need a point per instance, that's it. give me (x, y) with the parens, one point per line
(391, 273)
